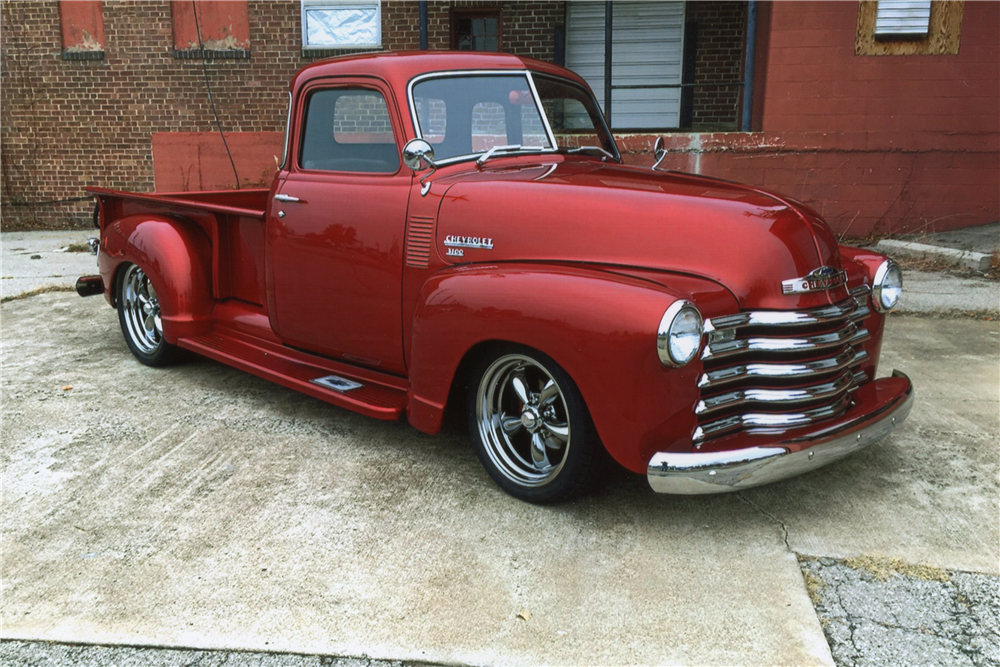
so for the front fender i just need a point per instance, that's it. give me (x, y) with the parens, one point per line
(600, 327)
(177, 257)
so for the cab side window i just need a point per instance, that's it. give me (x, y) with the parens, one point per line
(348, 129)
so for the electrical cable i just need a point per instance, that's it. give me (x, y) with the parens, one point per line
(208, 87)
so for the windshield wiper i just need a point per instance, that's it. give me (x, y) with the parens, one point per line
(580, 149)
(514, 148)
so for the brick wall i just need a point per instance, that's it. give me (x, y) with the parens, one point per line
(720, 44)
(68, 124)
(886, 143)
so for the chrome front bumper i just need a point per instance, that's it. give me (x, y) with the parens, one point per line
(691, 473)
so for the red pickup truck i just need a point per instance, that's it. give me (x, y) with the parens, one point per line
(458, 231)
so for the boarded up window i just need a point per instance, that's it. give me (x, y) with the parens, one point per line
(942, 36)
(210, 28)
(82, 26)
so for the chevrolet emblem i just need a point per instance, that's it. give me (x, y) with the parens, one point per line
(823, 278)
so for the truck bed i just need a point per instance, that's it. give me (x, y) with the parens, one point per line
(233, 221)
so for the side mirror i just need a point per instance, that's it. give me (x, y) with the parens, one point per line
(418, 152)
(659, 151)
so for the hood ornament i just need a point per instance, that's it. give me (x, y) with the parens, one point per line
(818, 280)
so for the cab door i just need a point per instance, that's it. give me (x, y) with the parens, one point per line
(335, 235)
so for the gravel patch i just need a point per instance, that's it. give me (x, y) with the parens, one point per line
(37, 654)
(885, 612)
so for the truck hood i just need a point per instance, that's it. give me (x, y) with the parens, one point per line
(583, 211)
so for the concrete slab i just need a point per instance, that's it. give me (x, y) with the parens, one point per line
(969, 259)
(202, 507)
(929, 494)
(35, 260)
(936, 293)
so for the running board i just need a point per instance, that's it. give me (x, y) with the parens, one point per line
(360, 390)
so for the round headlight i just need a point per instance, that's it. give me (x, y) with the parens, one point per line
(887, 286)
(679, 336)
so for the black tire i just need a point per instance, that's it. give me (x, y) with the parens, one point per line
(139, 318)
(551, 453)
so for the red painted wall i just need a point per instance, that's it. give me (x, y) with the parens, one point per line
(875, 143)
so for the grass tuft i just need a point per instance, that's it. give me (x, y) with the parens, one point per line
(36, 292)
(883, 567)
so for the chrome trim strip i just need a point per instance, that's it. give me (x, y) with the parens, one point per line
(849, 333)
(858, 379)
(854, 307)
(774, 318)
(776, 397)
(846, 358)
(288, 125)
(692, 473)
(763, 422)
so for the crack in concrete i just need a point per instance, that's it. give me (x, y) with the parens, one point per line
(784, 528)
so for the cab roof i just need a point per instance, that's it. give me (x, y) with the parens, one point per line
(398, 67)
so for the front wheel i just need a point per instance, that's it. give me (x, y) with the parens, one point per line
(139, 316)
(530, 427)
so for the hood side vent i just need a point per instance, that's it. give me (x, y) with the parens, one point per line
(419, 237)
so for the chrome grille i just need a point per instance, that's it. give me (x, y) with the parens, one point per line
(769, 371)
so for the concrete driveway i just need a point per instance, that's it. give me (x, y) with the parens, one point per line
(199, 506)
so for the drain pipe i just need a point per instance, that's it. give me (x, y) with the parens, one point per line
(423, 24)
(609, 13)
(751, 52)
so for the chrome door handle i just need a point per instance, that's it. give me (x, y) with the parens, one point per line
(287, 198)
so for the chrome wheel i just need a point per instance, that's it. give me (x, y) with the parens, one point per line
(523, 420)
(141, 310)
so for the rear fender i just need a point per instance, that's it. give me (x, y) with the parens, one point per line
(599, 327)
(177, 257)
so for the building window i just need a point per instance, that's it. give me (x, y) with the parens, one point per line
(328, 24)
(476, 31)
(897, 19)
(647, 47)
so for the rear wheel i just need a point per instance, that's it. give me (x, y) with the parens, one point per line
(531, 427)
(139, 316)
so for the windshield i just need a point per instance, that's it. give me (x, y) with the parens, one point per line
(573, 115)
(465, 116)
